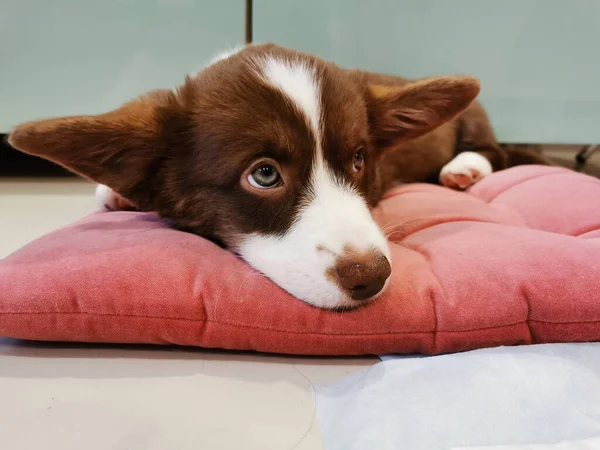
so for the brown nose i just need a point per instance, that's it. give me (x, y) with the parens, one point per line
(363, 275)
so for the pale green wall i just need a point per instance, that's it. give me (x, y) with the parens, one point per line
(60, 57)
(539, 60)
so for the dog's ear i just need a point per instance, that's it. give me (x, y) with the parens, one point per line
(398, 114)
(123, 149)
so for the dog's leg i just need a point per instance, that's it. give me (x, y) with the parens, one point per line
(519, 155)
(109, 199)
(478, 153)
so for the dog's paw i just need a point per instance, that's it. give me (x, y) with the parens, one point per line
(465, 169)
(109, 199)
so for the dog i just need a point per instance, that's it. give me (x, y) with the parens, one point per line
(279, 156)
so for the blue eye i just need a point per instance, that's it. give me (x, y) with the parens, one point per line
(264, 177)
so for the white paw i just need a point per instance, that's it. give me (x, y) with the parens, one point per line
(465, 169)
(107, 198)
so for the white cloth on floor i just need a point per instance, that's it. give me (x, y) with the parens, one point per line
(541, 394)
(587, 444)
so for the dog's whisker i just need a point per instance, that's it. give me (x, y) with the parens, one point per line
(322, 248)
(226, 284)
(386, 228)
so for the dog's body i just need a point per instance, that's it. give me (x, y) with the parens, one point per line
(279, 156)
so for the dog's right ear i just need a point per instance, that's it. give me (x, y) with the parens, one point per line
(123, 149)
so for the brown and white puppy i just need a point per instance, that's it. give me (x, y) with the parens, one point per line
(279, 156)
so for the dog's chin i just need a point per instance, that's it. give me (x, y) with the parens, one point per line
(351, 305)
(344, 303)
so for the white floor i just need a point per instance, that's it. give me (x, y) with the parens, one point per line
(69, 397)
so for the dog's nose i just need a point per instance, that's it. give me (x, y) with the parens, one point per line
(363, 275)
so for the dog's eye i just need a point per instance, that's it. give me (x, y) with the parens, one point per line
(264, 177)
(359, 159)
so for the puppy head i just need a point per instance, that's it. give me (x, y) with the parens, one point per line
(268, 151)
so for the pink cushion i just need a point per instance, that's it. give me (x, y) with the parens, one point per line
(514, 261)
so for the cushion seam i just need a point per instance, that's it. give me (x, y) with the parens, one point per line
(466, 221)
(528, 317)
(586, 231)
(521, 182)
(131, 316)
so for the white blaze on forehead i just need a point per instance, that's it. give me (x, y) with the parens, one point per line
(297, 80)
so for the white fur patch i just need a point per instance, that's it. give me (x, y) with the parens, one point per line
(297, 81)
(106, 197)
(465, 169)
(299, 261)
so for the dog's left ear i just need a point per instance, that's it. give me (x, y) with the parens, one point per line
(398, 114)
